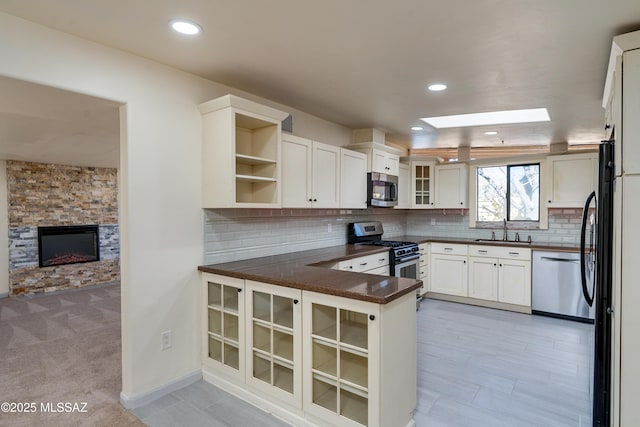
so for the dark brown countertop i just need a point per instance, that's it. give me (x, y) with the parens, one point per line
(536, 246)
(301, 270)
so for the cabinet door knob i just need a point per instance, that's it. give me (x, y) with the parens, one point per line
(464, 261)
(500, 265)
(495, 265)
(372, 317)
(315, 200)
(462, 203)
(548, 201)
(295, 301)
(239, 290)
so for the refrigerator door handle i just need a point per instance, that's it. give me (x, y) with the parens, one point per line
(583, 231)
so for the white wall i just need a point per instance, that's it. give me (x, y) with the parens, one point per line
(161, 218)
(4, 231)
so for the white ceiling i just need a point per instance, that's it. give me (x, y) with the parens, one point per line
(366, 63)
(43, 124)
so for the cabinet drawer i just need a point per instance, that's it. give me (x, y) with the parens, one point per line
(423, 261)
(448, 248)
(346, 265)
(500, 252)
(370, 262)
(485, 251)
(514, 253)
(382, 271)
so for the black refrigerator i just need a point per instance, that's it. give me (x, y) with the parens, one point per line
(596, 249)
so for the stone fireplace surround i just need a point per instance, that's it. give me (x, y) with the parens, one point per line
(52, 195)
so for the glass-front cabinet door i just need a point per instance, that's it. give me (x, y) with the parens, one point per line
(274, 347)
(224, 324)
(422, 184)
(340, 373)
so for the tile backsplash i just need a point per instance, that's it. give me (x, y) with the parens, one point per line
(236, 234)
(564, 226)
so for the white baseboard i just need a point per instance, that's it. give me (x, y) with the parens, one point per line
(158, 392)
(4, 294)
(278, 411)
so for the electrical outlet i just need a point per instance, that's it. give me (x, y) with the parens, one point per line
(165, 340)
(329, 228)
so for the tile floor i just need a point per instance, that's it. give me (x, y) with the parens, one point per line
(476, 367)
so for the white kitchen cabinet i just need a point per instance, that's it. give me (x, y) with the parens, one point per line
(310, 356)
(350, 379)
(384, 162)
(422, 184)
(451, 186)
(353, 179)
(483, 278)
(371, 264)
(514, 282)
(449, 269)
(501, 274)
(223, 324)
(310, 173)
(404, 186)
(274, 341)
(572, 178)
(629, 144)
(424, 267)
(380, 158)
(240, 153)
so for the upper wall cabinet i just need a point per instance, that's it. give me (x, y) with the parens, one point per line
(310, 173)
(422, 184)
(353, 179)
(384, 162)
(572, 178)
(240, 153)
(380, 158)
(451, 186)
(404, 186)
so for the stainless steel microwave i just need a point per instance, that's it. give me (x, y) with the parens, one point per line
(382, 190)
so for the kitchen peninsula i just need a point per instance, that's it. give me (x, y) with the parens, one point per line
(313, 345)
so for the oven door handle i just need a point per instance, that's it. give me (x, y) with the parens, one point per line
(407, 259)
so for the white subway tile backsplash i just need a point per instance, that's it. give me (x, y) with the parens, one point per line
(234, 234)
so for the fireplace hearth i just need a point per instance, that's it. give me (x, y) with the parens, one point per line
(68, 245)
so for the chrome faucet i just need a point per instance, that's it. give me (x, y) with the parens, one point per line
(504, 229)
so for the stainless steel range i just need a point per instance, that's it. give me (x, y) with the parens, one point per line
(404, 257)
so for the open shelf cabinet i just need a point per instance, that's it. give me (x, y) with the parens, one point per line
(241, 153)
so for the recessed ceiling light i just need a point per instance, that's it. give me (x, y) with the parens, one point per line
(491, 132)
(490, 118)
(437, 87)
(417, 128)
(183, 26)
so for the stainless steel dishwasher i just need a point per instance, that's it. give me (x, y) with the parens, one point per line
(556, 289)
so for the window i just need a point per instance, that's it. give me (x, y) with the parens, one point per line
(510, 191)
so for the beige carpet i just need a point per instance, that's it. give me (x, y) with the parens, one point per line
(62, 349)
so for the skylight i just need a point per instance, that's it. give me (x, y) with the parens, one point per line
(490, 118)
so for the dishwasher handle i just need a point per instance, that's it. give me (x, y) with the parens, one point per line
(548, 258)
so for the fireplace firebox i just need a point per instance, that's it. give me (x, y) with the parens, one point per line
(68, 245)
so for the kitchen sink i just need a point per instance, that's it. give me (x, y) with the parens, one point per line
(502, 242)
